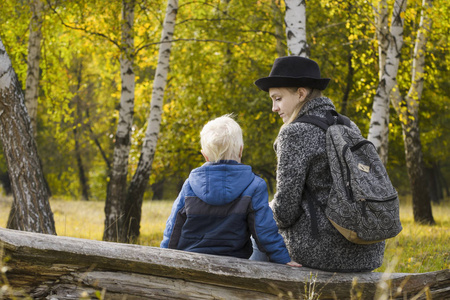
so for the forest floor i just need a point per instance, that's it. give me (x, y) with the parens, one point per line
(417, 249)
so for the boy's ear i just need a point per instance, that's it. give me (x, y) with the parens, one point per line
(204, 155)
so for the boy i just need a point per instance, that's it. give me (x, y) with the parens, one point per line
(223, 202)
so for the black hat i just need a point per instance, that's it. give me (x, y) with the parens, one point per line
(293, 71)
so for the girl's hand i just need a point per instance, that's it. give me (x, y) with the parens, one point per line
(293, 264)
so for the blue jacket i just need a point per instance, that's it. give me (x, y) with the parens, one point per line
(219, 207)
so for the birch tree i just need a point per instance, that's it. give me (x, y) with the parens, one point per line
(408, 111)
(382, 30)
(295, 19)
(34, 55)
(31, 209)
(392, 44)
(141, 177)
(116, 192)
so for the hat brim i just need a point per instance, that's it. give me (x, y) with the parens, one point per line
(274, 81)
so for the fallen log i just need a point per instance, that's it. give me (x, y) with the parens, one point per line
(45, 266)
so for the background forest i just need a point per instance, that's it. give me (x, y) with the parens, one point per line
(219, 49)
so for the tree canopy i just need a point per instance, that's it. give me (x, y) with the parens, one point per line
(219, 49)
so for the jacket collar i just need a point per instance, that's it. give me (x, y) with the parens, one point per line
(221, 162)
(316, 105)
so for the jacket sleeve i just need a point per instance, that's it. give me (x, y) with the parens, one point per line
(295, 148)
(173, 221)
(263, 226)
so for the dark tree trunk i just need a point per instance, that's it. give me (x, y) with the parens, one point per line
(31, 208)
(84, 184)
(81, 171)
(114, 206)
(349, 85)
(280, 36)
(133, 204)
(158, 190)
(417, 174)
(437, 183)
(6, 183)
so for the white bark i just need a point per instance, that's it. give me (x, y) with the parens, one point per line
(118, 178)
(6, 73)
(159, 84)
(34, 56)
(126, 109)
(381, 21)
(295, 19)
(418, 68)
(410, 123)
(140, 179)
(31, 209)
(379, 122)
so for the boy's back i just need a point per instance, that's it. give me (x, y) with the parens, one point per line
(214, 217)
(223, 203)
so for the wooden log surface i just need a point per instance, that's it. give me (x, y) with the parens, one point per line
(55, 267)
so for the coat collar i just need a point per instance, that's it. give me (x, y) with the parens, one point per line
(316, 106)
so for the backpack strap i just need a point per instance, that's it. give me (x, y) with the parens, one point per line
(326, 122)
(313, 213)
(315, 120)
(341, 119)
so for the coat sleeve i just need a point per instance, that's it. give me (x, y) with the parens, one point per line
(264, 229)
(173, 222)
(295, 148)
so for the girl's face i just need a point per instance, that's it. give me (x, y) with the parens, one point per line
(284, 102)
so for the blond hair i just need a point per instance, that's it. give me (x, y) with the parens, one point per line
(312, 94)
(221, 139)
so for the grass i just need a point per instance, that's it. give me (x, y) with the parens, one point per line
(420, 248)
(417, 249)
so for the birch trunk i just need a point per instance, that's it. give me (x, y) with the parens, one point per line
(409, 118)
(141, 177)
(34, 57)
(381, 21)
(379, 122)
(31, 209)
(295, 19)
(116, 193)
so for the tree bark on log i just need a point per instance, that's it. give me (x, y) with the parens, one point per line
(40, 265)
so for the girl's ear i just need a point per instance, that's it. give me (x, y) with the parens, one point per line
(302, 93)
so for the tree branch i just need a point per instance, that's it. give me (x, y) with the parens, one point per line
(82, 29)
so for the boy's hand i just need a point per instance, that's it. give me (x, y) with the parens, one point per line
(293, 264)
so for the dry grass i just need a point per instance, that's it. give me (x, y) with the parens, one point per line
(82, 219)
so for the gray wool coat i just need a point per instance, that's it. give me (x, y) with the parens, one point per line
(303, 163)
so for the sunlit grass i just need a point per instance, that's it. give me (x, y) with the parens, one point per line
(417, 249)
(85, 219)
(420, 248)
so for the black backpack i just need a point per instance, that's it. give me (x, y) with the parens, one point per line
(363, 205)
